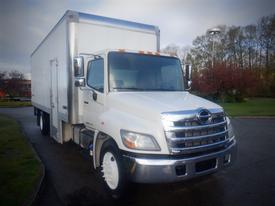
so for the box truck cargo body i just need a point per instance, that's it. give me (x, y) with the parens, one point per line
(103, 84)
(76, 33)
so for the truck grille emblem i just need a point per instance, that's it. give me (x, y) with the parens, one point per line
(204, 116)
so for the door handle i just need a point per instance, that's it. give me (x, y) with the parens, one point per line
(85, 102)
(94, 96)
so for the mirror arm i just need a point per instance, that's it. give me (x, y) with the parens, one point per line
(188, 76)
(79, 82)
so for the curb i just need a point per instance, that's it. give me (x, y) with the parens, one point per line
(253, 117)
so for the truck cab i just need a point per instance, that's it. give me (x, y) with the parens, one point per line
(139, 103)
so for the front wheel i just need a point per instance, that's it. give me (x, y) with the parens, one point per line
(112, 170)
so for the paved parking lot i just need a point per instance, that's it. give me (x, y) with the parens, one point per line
(70, 179)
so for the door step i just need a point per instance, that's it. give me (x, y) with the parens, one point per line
(86, 139)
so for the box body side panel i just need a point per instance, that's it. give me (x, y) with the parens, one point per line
(53, 52)
(93, 37)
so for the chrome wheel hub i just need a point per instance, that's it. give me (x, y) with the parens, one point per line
(110, 170)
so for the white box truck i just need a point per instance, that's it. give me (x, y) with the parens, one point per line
(103, 84)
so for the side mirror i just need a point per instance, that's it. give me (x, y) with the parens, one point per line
(188, 76)
(78, 67)
(79, 82)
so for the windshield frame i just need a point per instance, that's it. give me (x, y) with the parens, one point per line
(144, 54)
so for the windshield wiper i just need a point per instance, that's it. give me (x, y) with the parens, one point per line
(129, 88)
(147, 89)
(163, 89)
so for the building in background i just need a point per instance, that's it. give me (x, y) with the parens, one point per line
(16, 89)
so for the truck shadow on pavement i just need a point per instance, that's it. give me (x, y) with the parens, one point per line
(201, 191)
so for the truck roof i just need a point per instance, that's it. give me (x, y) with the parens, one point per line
(154, 53)
(75, 16)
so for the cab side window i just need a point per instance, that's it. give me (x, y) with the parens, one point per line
(95, 76)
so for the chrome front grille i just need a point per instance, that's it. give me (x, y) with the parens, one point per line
(186, 133)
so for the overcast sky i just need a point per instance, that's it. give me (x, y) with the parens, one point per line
(24, 23)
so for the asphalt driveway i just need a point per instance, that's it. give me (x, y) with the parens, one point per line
(70, 179)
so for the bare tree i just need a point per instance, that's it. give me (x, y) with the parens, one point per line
(201, 51)
(16, 75)
(2, 78)
(250, 44)
(267, 38)
(172, 49)
(13, 87)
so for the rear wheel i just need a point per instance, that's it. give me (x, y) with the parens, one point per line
(44, 123)
(112, 171)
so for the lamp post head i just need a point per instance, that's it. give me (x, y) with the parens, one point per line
(214, 31)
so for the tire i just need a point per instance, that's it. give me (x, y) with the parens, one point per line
(38, 113)
(111, 163)
(44, 123)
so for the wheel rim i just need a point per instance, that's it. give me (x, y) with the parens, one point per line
(41, 122)
(110, 170)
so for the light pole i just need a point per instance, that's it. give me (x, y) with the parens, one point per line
(213, 32)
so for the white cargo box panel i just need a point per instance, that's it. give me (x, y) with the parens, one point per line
(49, 60)
(53, 87)
(96, 33)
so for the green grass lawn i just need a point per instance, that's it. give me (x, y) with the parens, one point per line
(251, 107)
(19, 169)
(14, 104)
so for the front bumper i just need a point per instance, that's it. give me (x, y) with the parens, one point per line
(161, 170)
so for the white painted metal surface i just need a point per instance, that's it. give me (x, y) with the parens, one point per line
(94, 37)
(141, 112)
(77, 33)
(54, 123)
(53, 50)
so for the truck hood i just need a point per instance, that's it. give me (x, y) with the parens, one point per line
(149, 105)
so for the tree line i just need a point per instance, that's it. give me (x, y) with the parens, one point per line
(233, 63)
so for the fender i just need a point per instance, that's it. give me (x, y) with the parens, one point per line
(113, 120)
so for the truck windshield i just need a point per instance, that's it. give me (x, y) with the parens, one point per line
(140, 72)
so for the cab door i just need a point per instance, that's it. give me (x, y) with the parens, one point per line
(94, 94)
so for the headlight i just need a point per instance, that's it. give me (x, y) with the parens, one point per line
(230, 129)
(133, 140)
